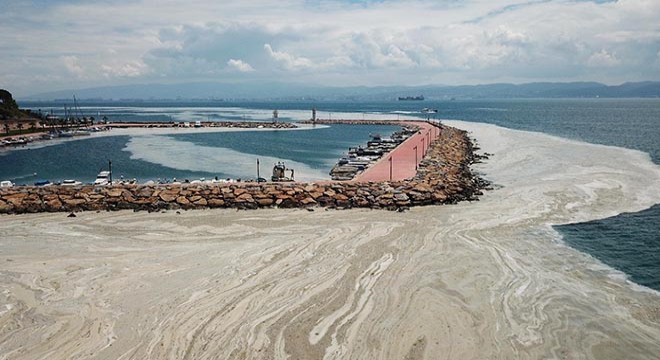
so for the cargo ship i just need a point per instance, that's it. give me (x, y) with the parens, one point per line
(411, 98)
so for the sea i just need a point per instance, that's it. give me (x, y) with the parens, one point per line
(629, 242)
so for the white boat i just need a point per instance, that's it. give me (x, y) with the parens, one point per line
(6, 184)
(103, 178)
(70, 182)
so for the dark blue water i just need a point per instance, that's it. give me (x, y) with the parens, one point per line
(628, 242)
(83, 159)
(320, 148)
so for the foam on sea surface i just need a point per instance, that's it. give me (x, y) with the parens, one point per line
(482, 280)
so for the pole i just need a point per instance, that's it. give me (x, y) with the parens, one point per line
(423, 147)
(110, 170)
(390, 168)
(415, 157)
(258, 177)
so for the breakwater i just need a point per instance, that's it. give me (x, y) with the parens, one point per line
(444, 176)
(350, 122)
(224, 124)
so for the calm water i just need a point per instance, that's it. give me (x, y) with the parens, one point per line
(628, 242)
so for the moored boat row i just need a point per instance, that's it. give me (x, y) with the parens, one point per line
(360, 158)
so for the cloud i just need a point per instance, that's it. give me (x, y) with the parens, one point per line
(72, 64)
(333, 42)
(288, 61)
(240, 65)
(603, 59)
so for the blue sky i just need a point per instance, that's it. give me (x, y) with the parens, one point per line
(53, 45)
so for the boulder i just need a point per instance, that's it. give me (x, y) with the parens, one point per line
(216, 203)
(265, 202)
(5, 207)
(74, 202)
(182, 200)
(15, 199)
(201, 202)
(114, 192)
(168, 196)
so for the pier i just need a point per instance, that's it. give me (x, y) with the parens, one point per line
(402, 162)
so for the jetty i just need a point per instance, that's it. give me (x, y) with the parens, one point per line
(443, 177)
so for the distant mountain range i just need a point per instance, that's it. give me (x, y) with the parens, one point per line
(283, 91)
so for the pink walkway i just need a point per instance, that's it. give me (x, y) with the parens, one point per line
(402, 159)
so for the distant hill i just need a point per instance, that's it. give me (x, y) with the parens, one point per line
(283, 91)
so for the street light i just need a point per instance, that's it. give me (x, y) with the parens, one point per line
(390, 160)
(415, 157)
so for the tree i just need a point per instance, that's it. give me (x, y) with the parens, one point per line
(6, 126)
(20, 127)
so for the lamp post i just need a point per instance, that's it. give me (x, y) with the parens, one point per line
(415, 157)
(390, 160)
(110, 170)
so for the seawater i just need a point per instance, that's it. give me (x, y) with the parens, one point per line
(627, 242)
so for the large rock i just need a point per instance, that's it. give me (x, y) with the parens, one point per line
(216, 203)
(5, 207)
(168, 196)
(15, 199)
(182, 200)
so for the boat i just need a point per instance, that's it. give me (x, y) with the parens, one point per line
(103, 178)
(70, 182)
(429, 111)
(6, 184)
(411, 98)
(279, 173)
(42, 183)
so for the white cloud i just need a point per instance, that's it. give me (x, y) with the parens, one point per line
(72, 64)
(602, 59)
(288, 61)
(373, 43)
(240, 65)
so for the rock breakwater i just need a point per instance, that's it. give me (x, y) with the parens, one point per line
(444, 177)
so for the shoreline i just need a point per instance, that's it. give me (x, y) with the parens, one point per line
(487, 279)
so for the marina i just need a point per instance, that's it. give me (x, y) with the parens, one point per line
(360, 159)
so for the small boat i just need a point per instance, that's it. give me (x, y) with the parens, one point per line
(70, 182)
(42, 183)
(6, 184)
(103, 178)
(278, 173)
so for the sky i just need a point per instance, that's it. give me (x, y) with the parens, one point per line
(48, 45)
